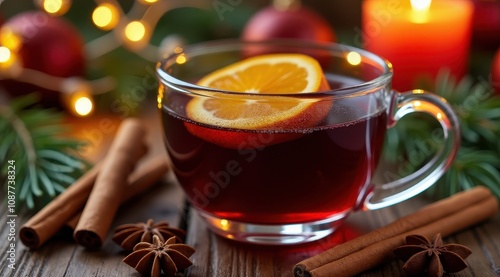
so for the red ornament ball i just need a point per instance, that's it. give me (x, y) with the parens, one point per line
(294, 23)
(48, 44)
(486, 24)
(495, 72)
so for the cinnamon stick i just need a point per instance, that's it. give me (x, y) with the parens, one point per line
(381, 252)
(420, 218)
(456, 213)
(44, 224)
(140, 181)
(109, 186)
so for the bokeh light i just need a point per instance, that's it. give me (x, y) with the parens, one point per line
(135, 31)
(354, 58)
(56, 7)
(5, 54)
(83, 106)
(10, 39)
(105, 16)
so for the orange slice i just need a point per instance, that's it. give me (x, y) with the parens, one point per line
(266, 74)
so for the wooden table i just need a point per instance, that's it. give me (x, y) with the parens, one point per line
(214, 255)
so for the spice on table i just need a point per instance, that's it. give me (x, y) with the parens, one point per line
(128, 235)
(44, 224)
(431, 257)
(375, 248)
(145, 177)
(110, 183)
(153, 258)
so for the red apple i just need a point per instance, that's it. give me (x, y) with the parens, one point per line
(486, 24)
(495, 72)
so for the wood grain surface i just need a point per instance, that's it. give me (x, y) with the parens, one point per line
(216, 256)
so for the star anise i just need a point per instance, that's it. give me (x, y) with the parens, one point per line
(151, 258)
(128, 235)
(432, 258)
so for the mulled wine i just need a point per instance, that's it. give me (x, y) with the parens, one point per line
(315, 174)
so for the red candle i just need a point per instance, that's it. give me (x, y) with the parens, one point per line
(419, 37)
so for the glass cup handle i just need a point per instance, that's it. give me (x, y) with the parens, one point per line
(406, 187)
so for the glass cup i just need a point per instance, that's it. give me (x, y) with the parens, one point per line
(295, 183)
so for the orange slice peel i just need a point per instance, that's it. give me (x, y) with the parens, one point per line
(261, 88)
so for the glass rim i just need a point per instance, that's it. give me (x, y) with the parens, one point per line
(218, 46)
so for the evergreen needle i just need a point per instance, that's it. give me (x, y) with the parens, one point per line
(478, 160)
(34, 139)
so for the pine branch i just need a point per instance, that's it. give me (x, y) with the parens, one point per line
(478, 160)
(45, 160)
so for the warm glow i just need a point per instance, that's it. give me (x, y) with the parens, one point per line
(421, 5)
(354, 58)
(224, 224)
(56, 7)
(135, 31)
(159, 98)
(420, 10)
(77, 95)
(83, 106)
(149, 1)
(5, 54)
(181, 59)
(105, 16)
(417, 103)
(10, 39)
(9, 63)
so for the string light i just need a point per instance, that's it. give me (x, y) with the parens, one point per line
(135, 31)
(77, 96)
(55, 7)
(83, 106)
(78, 93)
(9, 64)
(181, 59)
(105, 16)
(9, 45)
(10, 39)
(4, 54)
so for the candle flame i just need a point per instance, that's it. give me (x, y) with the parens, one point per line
(421, 5)
(420, 10)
